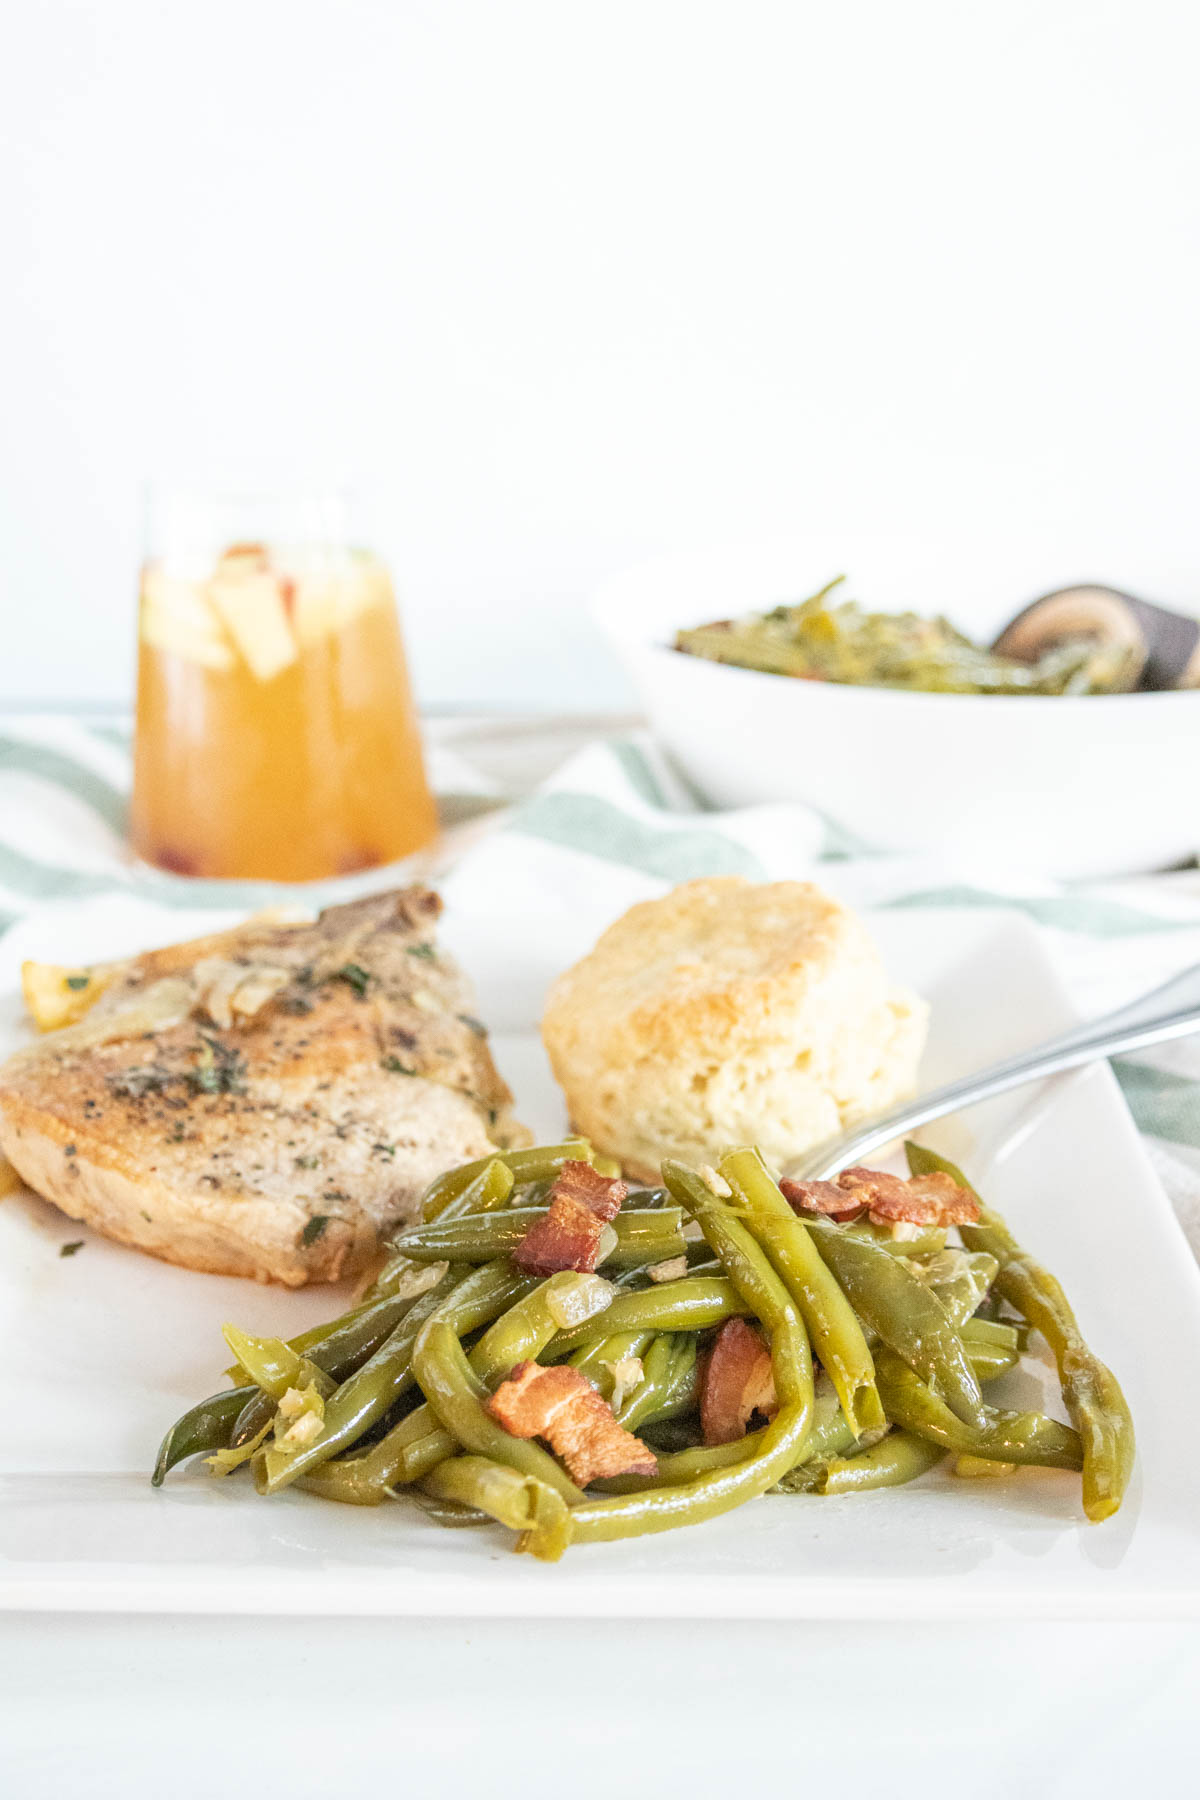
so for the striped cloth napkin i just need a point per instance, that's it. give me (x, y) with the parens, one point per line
(615, 824)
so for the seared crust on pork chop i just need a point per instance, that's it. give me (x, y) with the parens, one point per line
(267, 1101)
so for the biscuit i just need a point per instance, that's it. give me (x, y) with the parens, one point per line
(729, 1013)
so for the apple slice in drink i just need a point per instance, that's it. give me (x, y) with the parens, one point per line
(249, 600)
(176, 618)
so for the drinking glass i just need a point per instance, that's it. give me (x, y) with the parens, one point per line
(276, 737)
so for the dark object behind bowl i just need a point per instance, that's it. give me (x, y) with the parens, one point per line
(1164, 645)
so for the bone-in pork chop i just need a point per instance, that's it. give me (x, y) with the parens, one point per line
(264, 1102)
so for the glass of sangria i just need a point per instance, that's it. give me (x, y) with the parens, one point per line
(276, 737)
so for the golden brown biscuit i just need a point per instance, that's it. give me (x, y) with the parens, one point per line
(729, 1013)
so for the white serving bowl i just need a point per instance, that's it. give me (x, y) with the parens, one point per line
(1076, 787)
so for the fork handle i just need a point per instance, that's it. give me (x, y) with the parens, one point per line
(1169, 1011)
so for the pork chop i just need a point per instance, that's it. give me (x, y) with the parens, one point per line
(267, 1101)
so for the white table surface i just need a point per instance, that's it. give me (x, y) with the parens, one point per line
(135, 1707)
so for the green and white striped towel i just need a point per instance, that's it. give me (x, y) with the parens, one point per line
(615, 820)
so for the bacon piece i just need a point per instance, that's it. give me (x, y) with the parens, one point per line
(568, 1236)
(825, 1198)
(561, 1405)
(934, 1199)
(601, 1194)
(737, 1382)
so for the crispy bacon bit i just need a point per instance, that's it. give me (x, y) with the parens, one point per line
(582, 1203)
(887, 1199)
(601, 1194)
(822, 1197)
(566, 1237)
(736, 1383)
(934, 1199)
(561, 1405)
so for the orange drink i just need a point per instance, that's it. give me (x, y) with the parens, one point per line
(276, 736)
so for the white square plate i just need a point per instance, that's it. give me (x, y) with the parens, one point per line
(103, 1349)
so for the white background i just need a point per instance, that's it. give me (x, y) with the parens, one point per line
(569, 284)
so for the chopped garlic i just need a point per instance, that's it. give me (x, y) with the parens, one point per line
(302, 1412)
(671, 1270)
(627, 1373)
(716, 1184)
(304, 1432)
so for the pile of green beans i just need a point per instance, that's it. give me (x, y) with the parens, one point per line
(882, 1348)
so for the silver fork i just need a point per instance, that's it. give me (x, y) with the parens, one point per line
(1169, 1011)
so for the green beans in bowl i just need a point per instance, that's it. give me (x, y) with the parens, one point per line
(893, 725)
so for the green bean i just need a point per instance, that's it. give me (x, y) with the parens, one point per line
(381, 1381)
(273, 1365)
(974, 1468)
(898, 1458)
(668, 1384)
(782, 1443)
(489, 1191)
(458, 1397)
(645, 1237)
(257, 1413)
(208, 1426)
(904, 1314)
(926, 1240)
(835, 1331)
(541, 1162)
(989, 1357)
(446, 1188)
(337, 1349)
(342, 1478)
(340, 1329)
(527, 1506)
(960, 1279)
(445, 1512)
(395, 1270)
(640, 1237)
(356, 1335)
(994, 1333)
(418, 1443)
(1025, 1437)
(644, 1200)
(1090, 1390)
(692, 1303)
